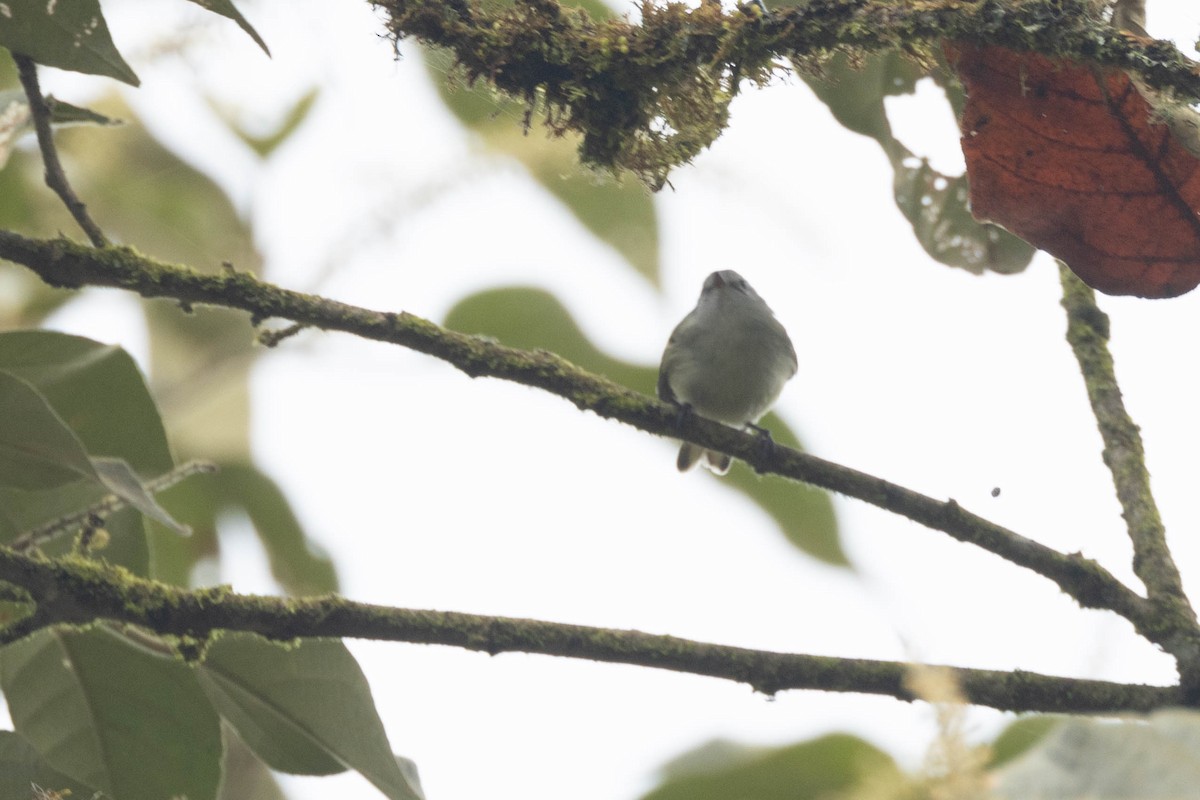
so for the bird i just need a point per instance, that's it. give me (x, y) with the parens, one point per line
(727, 361)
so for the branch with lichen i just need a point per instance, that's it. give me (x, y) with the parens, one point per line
(77, 591)
(1087, 333)
(648, 96)
(61, 262)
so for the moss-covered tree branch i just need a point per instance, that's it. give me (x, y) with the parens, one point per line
(77, 591)
(1087, 333)
(648, 96)
(61, 262)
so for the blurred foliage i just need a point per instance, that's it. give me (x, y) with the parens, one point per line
(100, 393)
(264, 145)
(832, 766)
(621, 215)
(844, 767)
(200, 362)
(244, 775)
(74, 35)
(226, 8)
(296, 563)
(934, 204)
(532, 318)
(1020, 736)
(23, 771)
(1150, 758)
(16, 120)
(113, 715)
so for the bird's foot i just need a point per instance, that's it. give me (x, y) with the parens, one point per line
(683, 415)
(764, 448)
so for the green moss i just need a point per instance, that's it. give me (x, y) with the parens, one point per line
(649, 97)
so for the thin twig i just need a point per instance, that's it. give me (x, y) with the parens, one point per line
(79, 592)
(62, 263)
(104, 507)
(56, 178)
(1124, 454)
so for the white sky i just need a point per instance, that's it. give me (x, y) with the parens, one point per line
(436, 491)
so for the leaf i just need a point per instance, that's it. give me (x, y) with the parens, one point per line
(1154, 757)
(933, 203)
(226, 8)
(16, 119)
(297, 563)
(1077, 162)
(69, 35)
(244, 776)
(305, 709)
(830, 766)
(120, 479)
(264, 146)
(1021, 735)
(37, 449)
(23, 772)
(99, 392)
(103, 711)
(622, 215)
(531, 318)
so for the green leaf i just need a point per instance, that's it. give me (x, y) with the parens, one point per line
(305, 709)
(99, 392)
(934, 204)
(264, 146)
(1021, 735)
(830, 766)
(23, 772)
(68, 35)
(244, 776)
(531, 318)
(226, 8)
(621, 214)
(297, 563)
(37, 449)
(113, 715)
(120, 479)
(1153, 757)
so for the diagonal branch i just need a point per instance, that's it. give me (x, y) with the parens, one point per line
(1087, 332)
(56, 178)
(76, 591)
(63, 263)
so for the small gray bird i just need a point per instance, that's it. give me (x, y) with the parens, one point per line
(727, 360)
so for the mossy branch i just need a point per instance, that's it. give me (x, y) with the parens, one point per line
(650, 96)
(1125, 456)
(61, 262)
(77, 591)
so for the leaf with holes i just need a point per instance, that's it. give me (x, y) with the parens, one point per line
(68, 35)
(1082, 164)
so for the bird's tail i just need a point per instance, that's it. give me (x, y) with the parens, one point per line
(689, 454)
